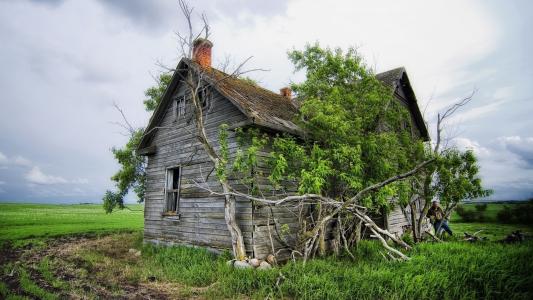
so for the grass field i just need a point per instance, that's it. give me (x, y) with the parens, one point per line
(490, 213)
(490, 227)
(23, 223)
(106, 267)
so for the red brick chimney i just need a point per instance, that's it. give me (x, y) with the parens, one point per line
(201, 52)
(286, 92)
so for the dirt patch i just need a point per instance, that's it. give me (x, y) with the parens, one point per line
(92, 267)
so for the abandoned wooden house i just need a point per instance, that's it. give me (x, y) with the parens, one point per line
(177, 211)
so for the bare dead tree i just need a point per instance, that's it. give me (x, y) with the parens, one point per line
(418, 216)
(196, 79)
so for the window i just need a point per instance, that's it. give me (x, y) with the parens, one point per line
(172, 191)
(204, 96)
(180, 106)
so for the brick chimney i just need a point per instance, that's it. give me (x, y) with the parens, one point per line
(201, 52)
(286, 92)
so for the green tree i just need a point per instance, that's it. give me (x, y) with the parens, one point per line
(132, 166)
(356, 136)
(357, 133)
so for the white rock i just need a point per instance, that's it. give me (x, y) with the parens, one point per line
(254, 262)
(241, 264)
(264, 266)
(132, 250)
(137, 253)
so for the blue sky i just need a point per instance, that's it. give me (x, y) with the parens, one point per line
(64, 63)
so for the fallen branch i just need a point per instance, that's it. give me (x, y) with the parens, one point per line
(384, 243)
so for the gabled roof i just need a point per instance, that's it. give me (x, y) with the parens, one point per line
(389, 78)
(263, 107)
(397, 79)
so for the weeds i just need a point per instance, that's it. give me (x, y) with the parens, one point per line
(4, 290)
(28, 286)
(45, 268)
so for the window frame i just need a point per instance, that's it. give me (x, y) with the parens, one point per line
(181, 106)
(172, 209)
(205, 98)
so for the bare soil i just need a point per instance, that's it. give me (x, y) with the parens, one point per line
(104, 278)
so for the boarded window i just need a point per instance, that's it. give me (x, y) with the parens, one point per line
(172, 190)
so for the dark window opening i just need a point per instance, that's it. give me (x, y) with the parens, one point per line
(173, 185)
(204, 96)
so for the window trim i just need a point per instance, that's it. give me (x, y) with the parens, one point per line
(175, 214)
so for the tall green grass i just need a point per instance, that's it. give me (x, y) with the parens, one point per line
(454, 270)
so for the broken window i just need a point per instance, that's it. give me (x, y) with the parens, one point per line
(173, 190)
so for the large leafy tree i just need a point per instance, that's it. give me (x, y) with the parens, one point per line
(356, 133)
(131, 175)
(359, 147)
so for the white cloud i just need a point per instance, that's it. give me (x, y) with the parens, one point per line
(506, 165)
(3, 158)
(444, 45)
(35, 175)
(522, 147)
(476, 112)
(389, 34)
(22, 161)
(80, 181)
(17, 160)
(468, 144)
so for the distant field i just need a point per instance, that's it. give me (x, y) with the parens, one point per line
(490, 213)
(490, 227)
(29, 221)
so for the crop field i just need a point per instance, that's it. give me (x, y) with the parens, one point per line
(82, 252)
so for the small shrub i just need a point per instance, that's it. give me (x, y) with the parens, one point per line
(519, 213)
(407, 237)
(481, 207)
(468, 215)
(505, 215)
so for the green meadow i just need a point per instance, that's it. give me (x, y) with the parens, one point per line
(103, 263)
(22, 223)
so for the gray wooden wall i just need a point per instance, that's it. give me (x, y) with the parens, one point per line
(202, 220)
(202, 215)
(397, 221)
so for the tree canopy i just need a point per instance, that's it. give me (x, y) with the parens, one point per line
(131, 174)
(356, 132)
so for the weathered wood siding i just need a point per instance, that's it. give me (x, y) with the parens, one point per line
(397, 221)
(202, 215)
(274, 227)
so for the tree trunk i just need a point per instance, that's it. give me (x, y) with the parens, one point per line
(237, 241)
(414, 222)
(427, 203)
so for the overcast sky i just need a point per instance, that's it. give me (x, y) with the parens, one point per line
(64, 63)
